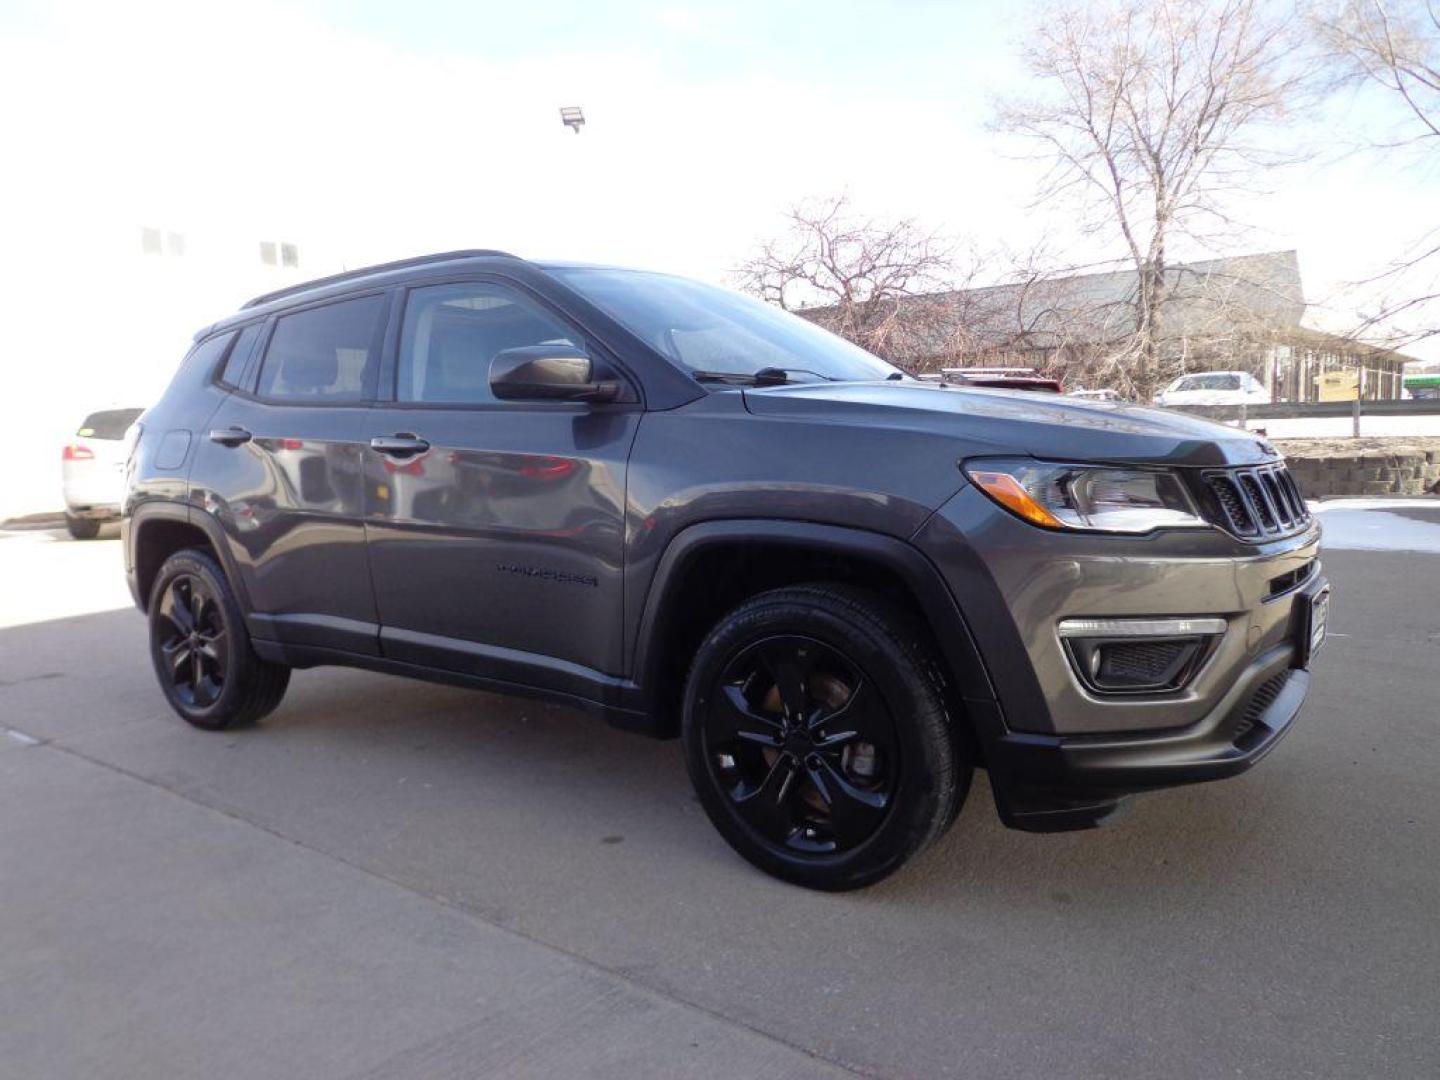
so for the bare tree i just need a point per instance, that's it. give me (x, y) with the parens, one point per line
(852, 272)
(1395, 46)
(1155, 112)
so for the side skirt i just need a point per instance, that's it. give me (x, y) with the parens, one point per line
(306, 656)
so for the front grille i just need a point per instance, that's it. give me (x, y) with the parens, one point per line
(1254, 503)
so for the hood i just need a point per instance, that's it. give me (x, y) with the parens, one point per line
(1019, 421)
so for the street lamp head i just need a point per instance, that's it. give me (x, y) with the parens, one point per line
(572, 117)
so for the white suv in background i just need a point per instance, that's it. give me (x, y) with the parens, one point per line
(1215, 388)
(93, 471)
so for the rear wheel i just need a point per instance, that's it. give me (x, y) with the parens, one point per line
(817, 737)
(82, 528)
(201, 650)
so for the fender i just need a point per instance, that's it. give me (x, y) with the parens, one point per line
(181, 513)
(952, 635)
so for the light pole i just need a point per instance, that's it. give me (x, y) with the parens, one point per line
(572, 117)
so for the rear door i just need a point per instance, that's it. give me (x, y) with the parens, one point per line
(281, 468)
(496, 544)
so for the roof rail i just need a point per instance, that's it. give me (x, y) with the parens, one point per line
(365, 271)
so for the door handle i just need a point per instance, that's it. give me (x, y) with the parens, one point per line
(231, 436)
(401, 444)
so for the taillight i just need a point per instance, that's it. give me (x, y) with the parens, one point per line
(76, 452)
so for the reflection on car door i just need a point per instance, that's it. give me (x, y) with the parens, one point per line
(284, 466)
(496, 538)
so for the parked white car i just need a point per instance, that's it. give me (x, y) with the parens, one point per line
(93, 471)
(1215, 388)
(1103, 394)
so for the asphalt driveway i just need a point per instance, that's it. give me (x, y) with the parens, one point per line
(387, 878)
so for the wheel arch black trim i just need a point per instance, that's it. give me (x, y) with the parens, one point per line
(150, 513)
(921, 577)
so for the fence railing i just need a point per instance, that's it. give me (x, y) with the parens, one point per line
(1240, 415)
(1303, 410)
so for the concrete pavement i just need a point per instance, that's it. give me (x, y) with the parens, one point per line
(393, 879)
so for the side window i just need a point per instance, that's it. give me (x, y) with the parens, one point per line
(452, 332)
(208, 353)
(323, 354)
(234, 370)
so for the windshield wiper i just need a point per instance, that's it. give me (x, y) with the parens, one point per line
(766, 376)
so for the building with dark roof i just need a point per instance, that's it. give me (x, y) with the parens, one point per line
(1241, 313)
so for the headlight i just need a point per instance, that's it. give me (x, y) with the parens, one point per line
(1095, 498)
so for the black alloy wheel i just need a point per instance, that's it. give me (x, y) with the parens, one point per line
(803, 745)
(207, 667)
(192, 641)
(818, 738)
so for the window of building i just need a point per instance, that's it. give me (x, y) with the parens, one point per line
(150, 241)
(323, 354)
(267, 252)
(451, 334)
(175, 243)
(289, 255)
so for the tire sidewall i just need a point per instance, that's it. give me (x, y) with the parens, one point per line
(902, 688)
(219, 712)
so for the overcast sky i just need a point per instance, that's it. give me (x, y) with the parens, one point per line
(372, 129)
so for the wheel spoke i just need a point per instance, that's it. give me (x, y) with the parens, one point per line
(212, 647)
(737, 720)
(863, 715)
(854, 812)
(178, 609)
(790, 670)
(846, 713)
(765, 805)
(177, 657)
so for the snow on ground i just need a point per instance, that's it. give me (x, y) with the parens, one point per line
(1380, 524)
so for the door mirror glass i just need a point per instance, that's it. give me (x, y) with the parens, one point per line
(548, 373)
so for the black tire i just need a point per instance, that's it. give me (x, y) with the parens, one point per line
(875, 768)
(201, 650)
(82, 528)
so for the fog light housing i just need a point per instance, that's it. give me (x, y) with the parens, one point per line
(1138, 656)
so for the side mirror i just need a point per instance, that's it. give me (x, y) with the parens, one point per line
(548, 373)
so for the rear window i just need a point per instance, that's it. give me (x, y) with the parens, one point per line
(1224, 381)
(109, 424)
(323, 354)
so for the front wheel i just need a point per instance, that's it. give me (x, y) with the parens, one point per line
(817, 737)
(207, 668)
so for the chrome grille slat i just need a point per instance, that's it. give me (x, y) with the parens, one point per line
(1256, 502)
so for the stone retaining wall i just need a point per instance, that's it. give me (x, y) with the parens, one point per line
(1403, 471)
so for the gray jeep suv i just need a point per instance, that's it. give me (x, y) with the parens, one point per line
(695, 514)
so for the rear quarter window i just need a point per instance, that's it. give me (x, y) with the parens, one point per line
(233, 373)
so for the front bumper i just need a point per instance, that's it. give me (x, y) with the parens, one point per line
(1050, 783)
(1061, 755)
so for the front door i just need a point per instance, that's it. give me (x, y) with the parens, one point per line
(496, 529)
(280, 466)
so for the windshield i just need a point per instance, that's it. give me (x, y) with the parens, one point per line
(1217, 381)
(711, 330)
